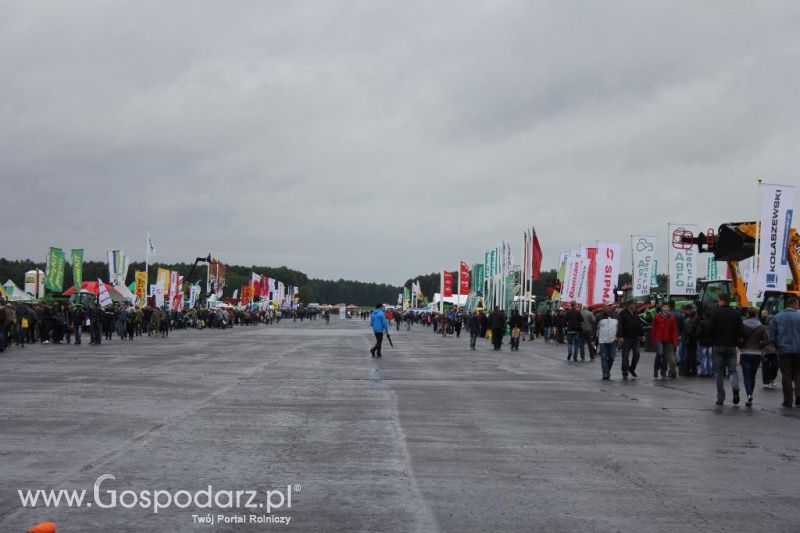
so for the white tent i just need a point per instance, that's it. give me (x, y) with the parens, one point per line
(16, 294)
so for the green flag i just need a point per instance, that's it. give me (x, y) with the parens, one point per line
(54, 278)
(76, 258)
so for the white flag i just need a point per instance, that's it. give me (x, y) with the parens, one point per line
(104, 297)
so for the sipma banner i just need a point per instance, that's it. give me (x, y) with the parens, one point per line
(607, 271)
(777, 207)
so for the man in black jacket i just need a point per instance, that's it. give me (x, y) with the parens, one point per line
(574, 323)
(497, 322)
(630, 334)
(725, 330)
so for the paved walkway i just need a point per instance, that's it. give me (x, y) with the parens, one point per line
(433, 437)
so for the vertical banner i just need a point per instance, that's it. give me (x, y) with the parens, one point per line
(54, 278)
(76, 258)
(173, 288)
(683, 265)
(711, 268)
(400, 299)
(643, 251)
(141, 284)
(607, 271)
(447, 287)
(569, 288)
(464, 275)
(477, 278)
(654, 277)
(177, 297)
(582, 285)
(777, 208)
(536, 256)
(591, 255)
(103, 296)
(194, 291)
(162, 286)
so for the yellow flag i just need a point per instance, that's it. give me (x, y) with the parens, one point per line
(141, 287)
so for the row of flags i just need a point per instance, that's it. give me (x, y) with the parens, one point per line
(268, 290)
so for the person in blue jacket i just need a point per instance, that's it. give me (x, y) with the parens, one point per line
(379, 325)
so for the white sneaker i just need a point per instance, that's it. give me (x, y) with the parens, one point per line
(45, 342)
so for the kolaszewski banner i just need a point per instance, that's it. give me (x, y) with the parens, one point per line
(607, 271)
(683, 260)
(643, 251)
(777, 207)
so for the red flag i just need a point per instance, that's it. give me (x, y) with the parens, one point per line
(536, 261)
(447, 290)
(464, 271)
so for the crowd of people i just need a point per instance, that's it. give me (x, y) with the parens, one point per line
(62, 323)
(686, 344)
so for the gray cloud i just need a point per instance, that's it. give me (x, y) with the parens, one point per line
(377, 140)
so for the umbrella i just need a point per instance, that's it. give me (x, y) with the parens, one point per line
(389, 338)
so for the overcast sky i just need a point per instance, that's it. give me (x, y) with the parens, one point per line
(378, 140)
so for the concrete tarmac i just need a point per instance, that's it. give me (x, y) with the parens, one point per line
(432, 437)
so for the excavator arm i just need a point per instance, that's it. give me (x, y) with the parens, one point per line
(733, 242)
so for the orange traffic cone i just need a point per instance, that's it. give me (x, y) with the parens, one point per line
(44, 527)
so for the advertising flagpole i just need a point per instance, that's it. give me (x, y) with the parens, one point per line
(754, 277)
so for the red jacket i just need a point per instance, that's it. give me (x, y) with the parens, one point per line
(665, 329)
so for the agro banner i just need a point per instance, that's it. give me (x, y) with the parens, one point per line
(54, 278)
(777, 207)
(103, 296)
(493, 263)
(643, 251)
(447, 286)
(683, 260)
(607, 271)
(76, 258)
(464, 275)
(141, 283)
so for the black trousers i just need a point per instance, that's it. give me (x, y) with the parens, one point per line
(497, 337)
(628, 345)
(378, 343)
(769, 370)
(790, 375)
